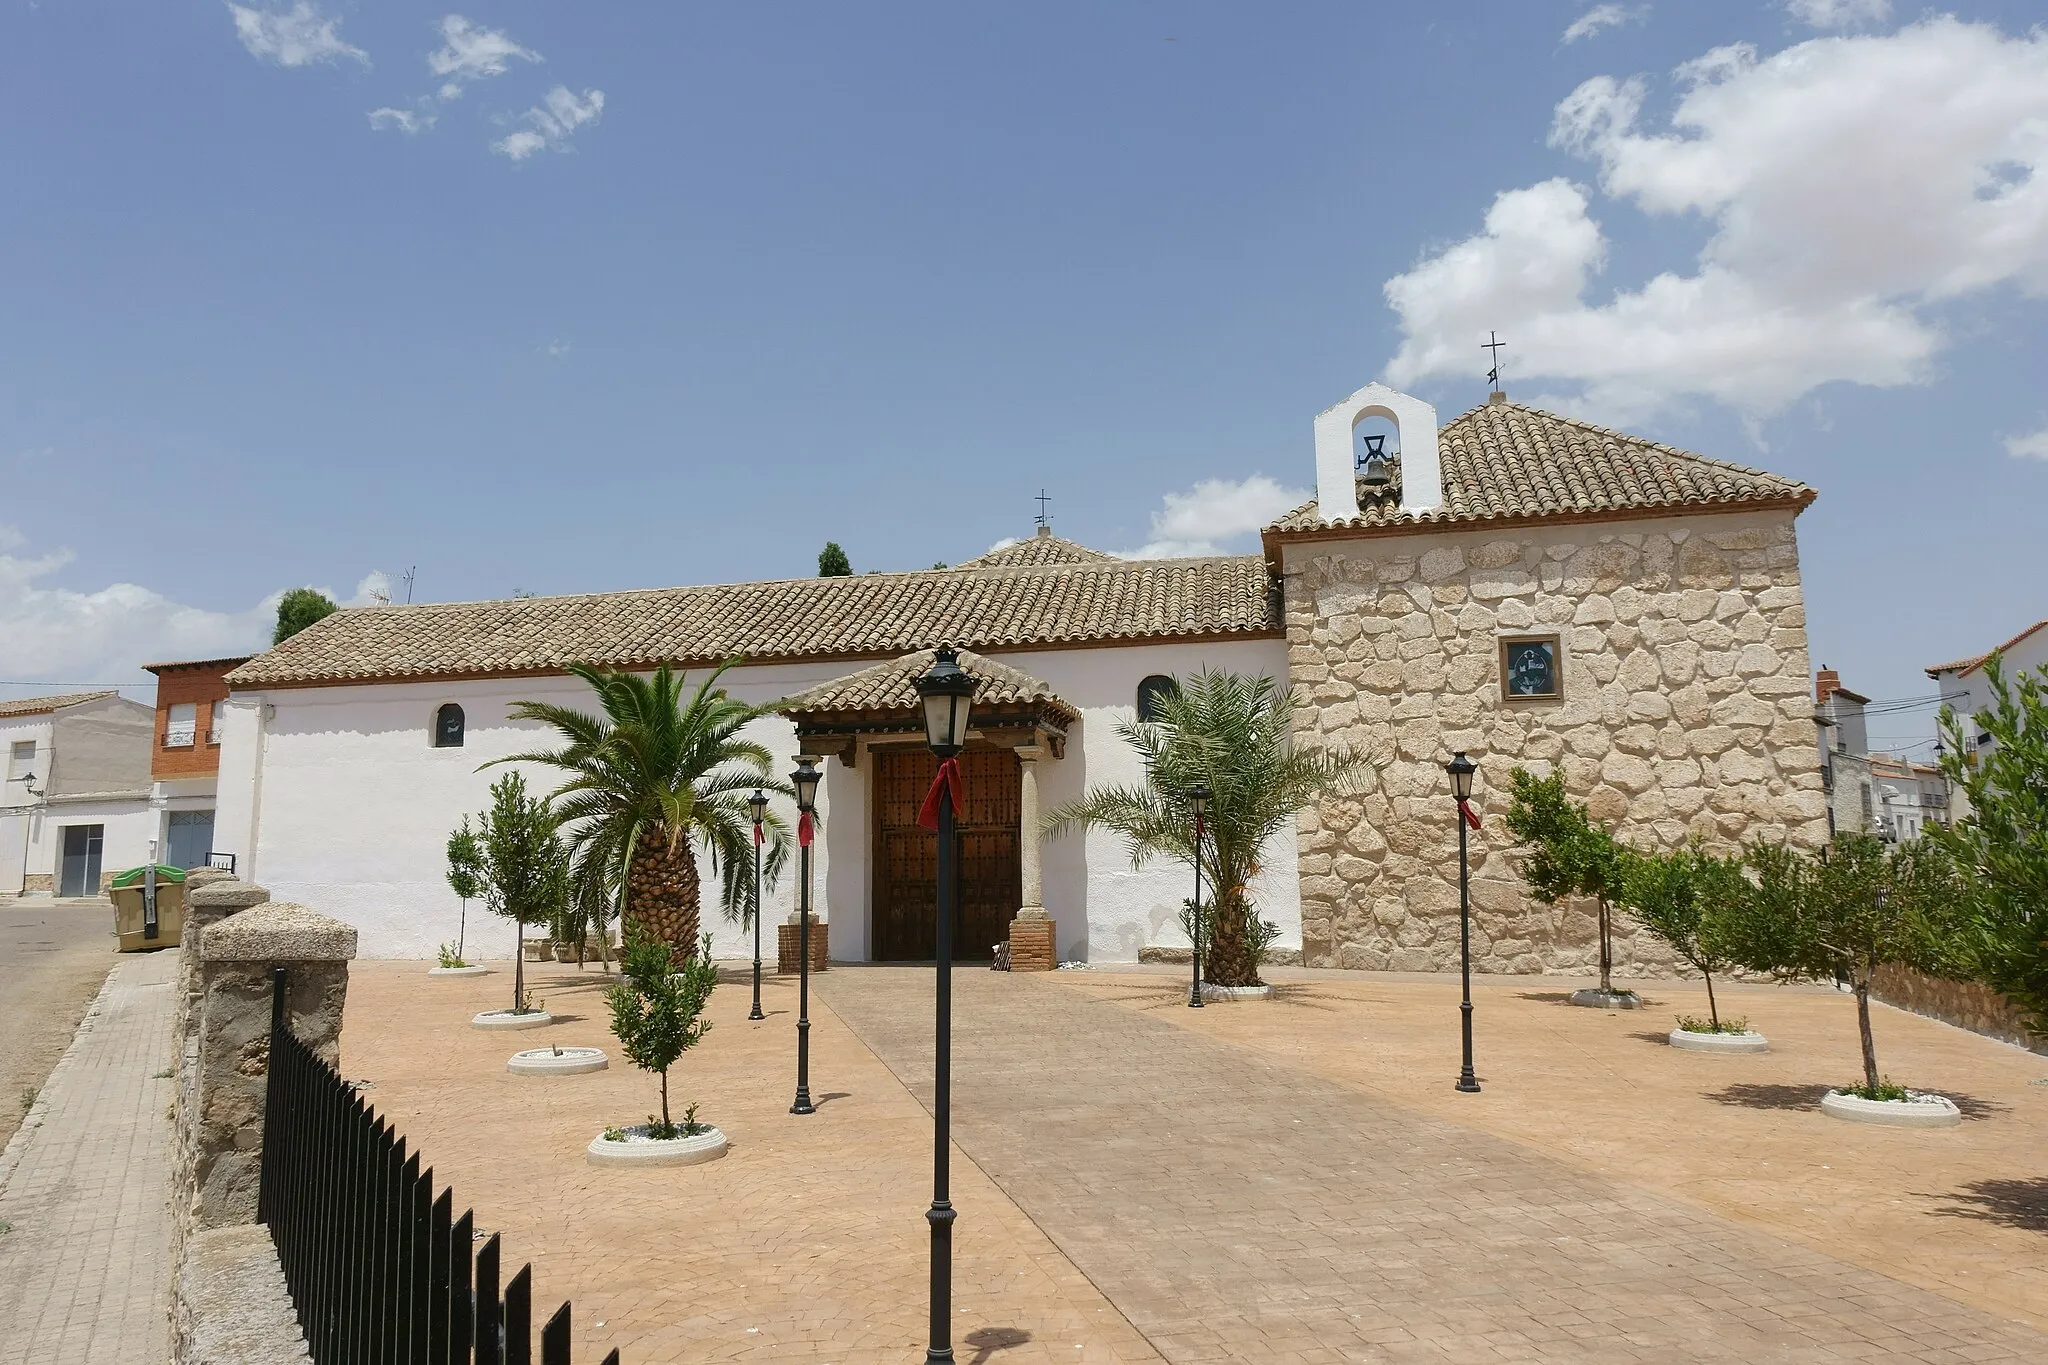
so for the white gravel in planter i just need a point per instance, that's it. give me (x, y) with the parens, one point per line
(473, 969)
(1719, 1042)
(638, 1149)
(1210, 992)
(1595, 998)
(491, 1019)
(557, 1061)
(1920, 1109)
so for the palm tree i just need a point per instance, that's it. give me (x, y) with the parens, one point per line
(1230, 734)
(649, 778)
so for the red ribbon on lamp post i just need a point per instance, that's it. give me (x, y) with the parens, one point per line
(946, 780)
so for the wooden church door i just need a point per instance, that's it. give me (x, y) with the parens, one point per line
(905, 869)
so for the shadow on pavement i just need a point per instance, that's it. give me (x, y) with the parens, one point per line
(986, 1341)
(1763, 1095)
(2021, 1204)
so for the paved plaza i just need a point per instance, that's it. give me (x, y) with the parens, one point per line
(1292, 1181)
(84, 1264)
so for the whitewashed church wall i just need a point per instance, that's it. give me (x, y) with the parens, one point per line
(1686, 709)
(1107, 910)
(335, 797)
(346, 805)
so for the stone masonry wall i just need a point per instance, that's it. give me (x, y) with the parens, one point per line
(1685, 709)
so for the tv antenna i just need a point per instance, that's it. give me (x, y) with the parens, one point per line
(409, 575)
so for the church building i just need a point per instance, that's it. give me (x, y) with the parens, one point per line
(1521, 586)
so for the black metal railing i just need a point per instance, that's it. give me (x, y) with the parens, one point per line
(224, 861)
(377, 1268)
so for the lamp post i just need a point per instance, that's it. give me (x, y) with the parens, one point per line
(1198, 801)
(805, 781)
(947, 693)
(1461, 769)
(758, 803)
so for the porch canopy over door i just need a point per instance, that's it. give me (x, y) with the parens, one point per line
(1017, 720)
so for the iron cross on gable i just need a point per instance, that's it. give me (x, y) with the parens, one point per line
(1043, 502)
(1494, 345)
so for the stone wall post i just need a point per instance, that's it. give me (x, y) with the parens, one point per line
(224, 1128)
(1033, 935)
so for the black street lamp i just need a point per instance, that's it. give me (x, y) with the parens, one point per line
(1461, 769)
(758, 803)
(805, 781)
(1198, 801)
(947, 693)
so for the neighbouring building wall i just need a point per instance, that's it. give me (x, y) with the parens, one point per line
(201, 687)
(100, 746)
(24, 749)
(1685, 709)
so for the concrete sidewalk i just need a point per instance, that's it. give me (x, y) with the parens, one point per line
(85, 1264)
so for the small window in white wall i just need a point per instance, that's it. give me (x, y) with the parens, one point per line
(184, 720)
(448, 727)
(1151, 692)
(21, 759)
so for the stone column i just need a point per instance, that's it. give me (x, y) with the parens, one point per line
(222, 1133)
(1033, 935)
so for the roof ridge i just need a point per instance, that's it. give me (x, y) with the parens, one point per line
(1664, 447)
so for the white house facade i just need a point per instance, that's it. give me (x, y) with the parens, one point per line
(1542, 593)
(74, 807)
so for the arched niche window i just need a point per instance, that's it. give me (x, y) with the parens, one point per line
(1151, 692)
(448, 726)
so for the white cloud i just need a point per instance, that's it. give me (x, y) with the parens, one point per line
(1214, 512)
(298, 36)
(1839, 13)
(2033, 446)
(62, 634)
(557, 348)
(1601, 17)
(470, 52)
(407, 121)
(1851, 184)
(551, 123)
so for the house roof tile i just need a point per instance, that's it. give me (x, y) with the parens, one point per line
(36, 706)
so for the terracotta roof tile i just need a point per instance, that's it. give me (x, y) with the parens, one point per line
(1503, 461)
(1037, 551)
(865, 616)
(890, 687)
(1976, 661)
(36, 706)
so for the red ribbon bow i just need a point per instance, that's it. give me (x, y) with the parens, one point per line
(757, 834)
(1471, 816)
(947, 780)
(803, 830)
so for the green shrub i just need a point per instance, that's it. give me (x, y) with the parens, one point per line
(657, 1011)
(832, 562)
(299, 608)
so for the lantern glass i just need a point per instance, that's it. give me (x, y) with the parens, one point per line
(1461, 769)
(947, 692)
(1198, 799)
(805, 780)
(758, 802)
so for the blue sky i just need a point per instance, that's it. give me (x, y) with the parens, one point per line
(671, 294)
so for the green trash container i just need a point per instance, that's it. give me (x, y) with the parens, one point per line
(149, 910)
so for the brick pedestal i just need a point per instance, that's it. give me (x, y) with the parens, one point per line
(1032, 945)
(786, 949)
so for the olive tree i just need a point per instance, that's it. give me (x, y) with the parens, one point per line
(1568, 855)
(657, 1011)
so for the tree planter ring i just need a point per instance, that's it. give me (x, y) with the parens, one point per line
(473, 969)
(1210, 992)
(640, 1150)
(1719, 1042)
(557, 1061)
(1921, 1111)
(1594, 998)
(504, 1019)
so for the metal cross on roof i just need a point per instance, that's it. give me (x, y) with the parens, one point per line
(1043, 502)
(1495, 345)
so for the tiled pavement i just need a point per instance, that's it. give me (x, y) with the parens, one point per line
(1233, 1208)
(84, 1268)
